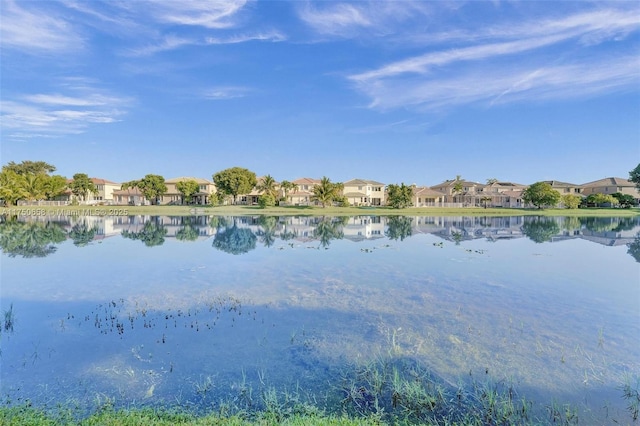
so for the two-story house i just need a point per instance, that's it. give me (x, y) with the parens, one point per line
(609, 186)
(173, 196)
(361, 192)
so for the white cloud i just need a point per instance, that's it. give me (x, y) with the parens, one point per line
(56, 114)
(504, 64)
(37, 30)
(226, 92)
(351, 19)
(213, 14)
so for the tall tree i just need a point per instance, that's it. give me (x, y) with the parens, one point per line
(187, 189)
(235, 181)
(326, 191)
(287, 187)
(571, 201)
(267, 186)
(634, 176)
(399, 196)
(81, 186)
(11, 187)
(29, 167)
(152, 187)
(55, 185)
(541, 194)
(34, 186)
(457, 186)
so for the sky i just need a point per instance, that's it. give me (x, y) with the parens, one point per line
(393, 91)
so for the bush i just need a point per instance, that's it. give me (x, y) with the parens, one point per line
(266, 200)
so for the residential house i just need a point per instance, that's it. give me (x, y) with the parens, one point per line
(469, 196)
(565, 188)
(423, 196)
(301, 196)
(173, 196)
(104, 195)
(609, 186)
(361, 192)
(501, 194)
(252, 197)
(129, 197)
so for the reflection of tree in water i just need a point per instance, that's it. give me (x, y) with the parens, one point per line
(398, 227)
(30, 239)
(81, 234)
(329, 228)
(152, 234)
(189, 230)
(606, 224)
(268, 229)
(234, 240)
(633, 248)
(540, 229)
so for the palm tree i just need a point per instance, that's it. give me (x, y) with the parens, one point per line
(326, 191)
(34, 187)
(268, 186)
(457, 187)
(287, 186)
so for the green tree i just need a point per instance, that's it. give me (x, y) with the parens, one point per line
(54, 185)
(541, 194)
(266, 200)
(235, 181)
(571, 201)
(399, 196)
(11, 187)
(634, 176)
(491, 181)
(81, 186)
(599, 199)
(625, 200)
(458, 187)
(34, 186)
(29, 168)
(287, 187)
(152, 187)
(267, 186)
(187, 188)
(326, 192)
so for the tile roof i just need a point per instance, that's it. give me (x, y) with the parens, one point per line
(616, 181)
(183, 178)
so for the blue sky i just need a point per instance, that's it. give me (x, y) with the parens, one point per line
(398, 91)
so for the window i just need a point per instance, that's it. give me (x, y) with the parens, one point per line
(203, 187)
(359, 188)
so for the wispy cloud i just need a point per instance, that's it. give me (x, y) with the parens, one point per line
(350, 19)
(226, 92)
(273, 36)
(56, 114)
(213, 14)
(493, 68)
(37, 30)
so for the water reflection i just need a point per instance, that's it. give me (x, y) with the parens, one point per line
(30, 239)
(38, 237)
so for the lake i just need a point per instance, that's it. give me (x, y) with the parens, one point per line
(208, 313)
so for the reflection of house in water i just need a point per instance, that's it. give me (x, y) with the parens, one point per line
(174, 225)
(360, 228)
(461, 228)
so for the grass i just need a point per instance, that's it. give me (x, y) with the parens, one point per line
(310, 211)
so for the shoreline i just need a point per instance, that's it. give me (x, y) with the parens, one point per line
(304, 211)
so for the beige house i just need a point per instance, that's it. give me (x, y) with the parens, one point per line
(423, 196)
(173, 196)
(467, 197)
(103, 196)
(301, 196)
(252, 197)
(565, 188)
(609, 186)
(501, 194)
(129, 197)
(361, 192)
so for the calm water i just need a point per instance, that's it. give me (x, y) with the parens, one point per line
(195, 310)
